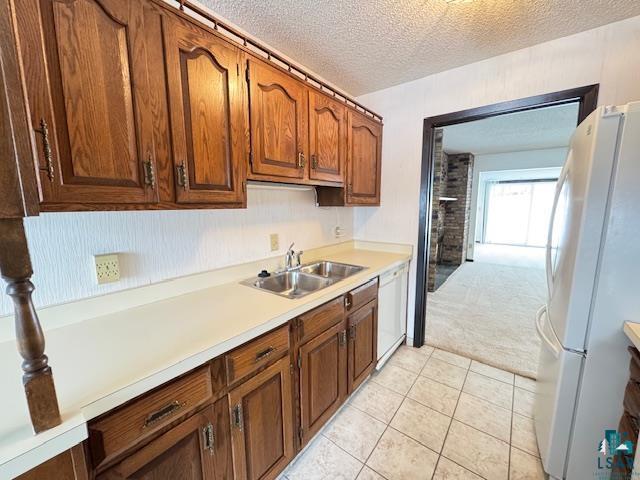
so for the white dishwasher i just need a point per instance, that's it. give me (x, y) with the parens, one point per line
(392, 311)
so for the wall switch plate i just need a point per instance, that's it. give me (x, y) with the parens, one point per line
(107, 268)
(338, 232)
(275, 242)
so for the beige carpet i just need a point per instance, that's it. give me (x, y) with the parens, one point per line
(486, 311)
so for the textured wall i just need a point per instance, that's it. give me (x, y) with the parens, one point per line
(609, 55)
(155, 246)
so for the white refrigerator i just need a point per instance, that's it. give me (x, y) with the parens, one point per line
(593, 276)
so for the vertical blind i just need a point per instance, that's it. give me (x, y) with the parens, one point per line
(518, 212)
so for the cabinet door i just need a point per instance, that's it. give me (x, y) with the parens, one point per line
(363, 160)
(88, 86)
(323, 379)
(262, 423)
(327, 138)
(208, 120)
(190, 451)
(279, 127)
(363, 339)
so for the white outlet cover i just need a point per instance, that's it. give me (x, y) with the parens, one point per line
(107, 268)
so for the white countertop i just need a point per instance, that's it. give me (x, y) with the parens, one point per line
(632, 330)
(104, 361)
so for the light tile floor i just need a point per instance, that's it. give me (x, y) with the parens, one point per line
(432, 415)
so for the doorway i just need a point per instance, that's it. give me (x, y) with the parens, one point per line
(485, 208)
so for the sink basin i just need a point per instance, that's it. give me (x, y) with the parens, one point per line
(331, 269)
(291, 284)
(305, 279)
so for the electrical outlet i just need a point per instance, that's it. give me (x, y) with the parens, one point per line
(107, 268)
(338, 232)
(275, 242)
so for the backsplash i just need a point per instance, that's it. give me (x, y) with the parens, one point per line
(158, 245)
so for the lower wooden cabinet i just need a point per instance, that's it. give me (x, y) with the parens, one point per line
(262, 423)
(245, 414)
(323, 379)
(363, 339)
(197, 448)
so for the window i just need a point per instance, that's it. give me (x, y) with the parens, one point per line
(518, 212)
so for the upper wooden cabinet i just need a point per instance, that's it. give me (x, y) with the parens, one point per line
(134, 105)
(327, 138)
(363, 160)
(89, 86)
(363, 172)
(208, 120)
(279, 123)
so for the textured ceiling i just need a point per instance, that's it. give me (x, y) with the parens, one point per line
(363, 46)
(549, 127)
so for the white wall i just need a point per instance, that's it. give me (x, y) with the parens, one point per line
(530, 159)
(608, 55)
(157, 245)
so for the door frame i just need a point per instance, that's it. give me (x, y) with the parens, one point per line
(587, 98)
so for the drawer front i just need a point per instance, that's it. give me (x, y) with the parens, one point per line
(361, 295)
(313, 323)
(118, 431)
(256, 354)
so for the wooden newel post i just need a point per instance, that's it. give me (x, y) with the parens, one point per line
(15, 268)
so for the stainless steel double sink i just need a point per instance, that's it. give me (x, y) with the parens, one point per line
(305, 279)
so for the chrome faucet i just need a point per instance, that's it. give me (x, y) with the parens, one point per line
(288, 258)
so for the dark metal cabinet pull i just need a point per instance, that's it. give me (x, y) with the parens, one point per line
(46, 148)
(343, 338)
(301, 160)
(162, 413)
(149, 173)
(314, 161)
(352, 332)
(347, 302)
(182, 175)
(237, 417)
(209, 438)
(264, 354)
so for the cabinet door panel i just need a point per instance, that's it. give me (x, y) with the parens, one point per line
(364, 154)
(279, 124)
(363, 339)
(328, 138)
(87, 80)
(181, 453)
(207, 112)
(262, 431)
(323, 379)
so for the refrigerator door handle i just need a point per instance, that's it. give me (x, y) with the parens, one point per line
(561, 181)
(546, 340)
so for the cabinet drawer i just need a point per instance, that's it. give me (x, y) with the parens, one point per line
(256, 354)
(313, 323)
(118, 431)
(361, 295)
